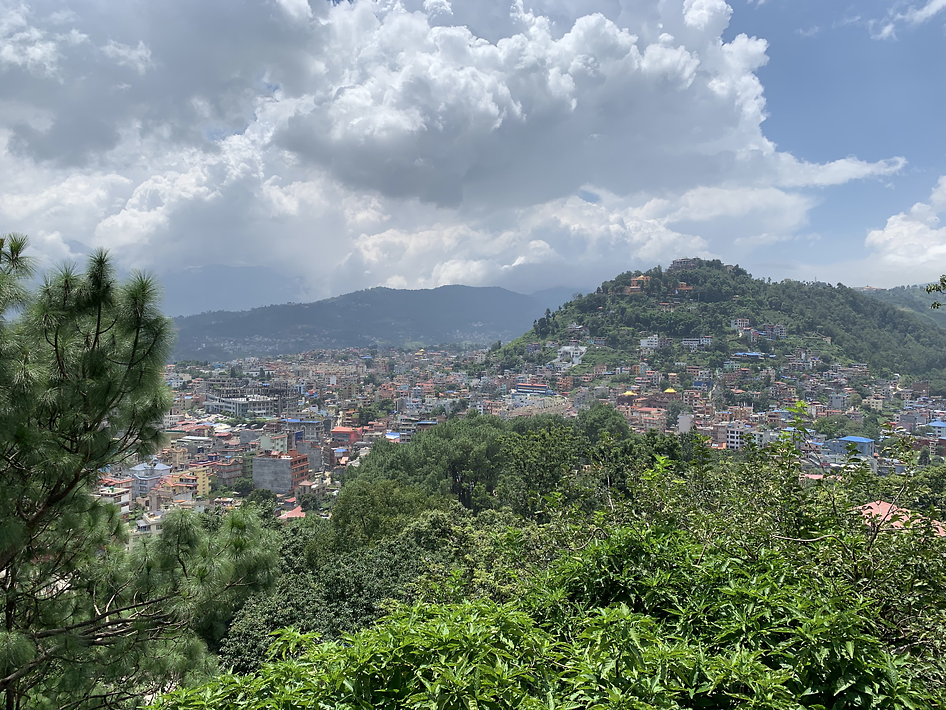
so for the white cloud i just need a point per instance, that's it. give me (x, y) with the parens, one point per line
(913, 242)
(919, 15)
(138, 58)
(438, 7)
(414, 143)
(24, 45)
(886, 28)
(296, 9)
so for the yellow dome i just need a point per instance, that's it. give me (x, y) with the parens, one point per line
(628, 393)
(671, 390)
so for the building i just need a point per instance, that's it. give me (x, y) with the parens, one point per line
(249, 407)
(840, 401)
(145, 476)
(150, 523)
(346, 435)
(839, 447)
(117, 496)
(228, 470)
(737, 434)
(201, 473)
(280, 473)
(681, 264)
(533, 388)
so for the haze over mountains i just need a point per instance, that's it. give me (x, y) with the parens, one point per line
(377, 316)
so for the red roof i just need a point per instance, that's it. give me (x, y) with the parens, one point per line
(294, 513)
(882, 513)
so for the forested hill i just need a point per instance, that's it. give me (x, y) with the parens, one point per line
(860, 328)
(377, 316)
(913, 299)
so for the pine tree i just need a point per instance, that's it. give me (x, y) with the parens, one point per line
(88, 621)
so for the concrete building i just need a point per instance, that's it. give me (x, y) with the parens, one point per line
(840, 401)
(280, 473)
(145, 476)
(120, 497)
(839, 447)
(250, 406)
(228, 470)
(736, 435)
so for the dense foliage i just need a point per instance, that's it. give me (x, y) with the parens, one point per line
(861, 328)
(675, 583)
(918, 300)
(484, 462)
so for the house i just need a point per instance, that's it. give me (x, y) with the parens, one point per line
(685, 263)
(145, 476)
(939, 428)
(117, 496)
(150, 523)
(839, 447)
(296, 512)
(892, 517)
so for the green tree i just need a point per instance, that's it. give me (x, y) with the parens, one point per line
(243, 486)
(86, 623)
(538, 462)
(367, 511)
(264, 498)
(602, 419)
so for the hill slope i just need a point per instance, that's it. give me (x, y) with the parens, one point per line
(913, 299)
(377, 316)
(839, 322)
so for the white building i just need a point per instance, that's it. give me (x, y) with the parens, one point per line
(119, 497)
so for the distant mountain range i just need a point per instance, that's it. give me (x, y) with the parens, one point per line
(377, 316)
(893, 327)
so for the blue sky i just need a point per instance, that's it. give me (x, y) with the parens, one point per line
(834, 88)
(276, 150)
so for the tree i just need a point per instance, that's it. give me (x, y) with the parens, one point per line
(264, 498)
(674, 410)
(87, 623)
(368, 511)
(243, 486)
(538, 462)
(602, 419)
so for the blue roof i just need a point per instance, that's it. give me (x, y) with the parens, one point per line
(857, 439)
(938, 423)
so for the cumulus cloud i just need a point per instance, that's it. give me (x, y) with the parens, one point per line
(408, 143)
(914, 240)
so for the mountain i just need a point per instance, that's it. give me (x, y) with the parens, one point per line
(198, 289)
(913, 299)
(839, 323)
(377, 316)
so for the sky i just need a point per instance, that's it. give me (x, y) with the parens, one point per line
(258, 151)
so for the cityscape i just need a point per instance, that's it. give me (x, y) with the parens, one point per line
(483, 355)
